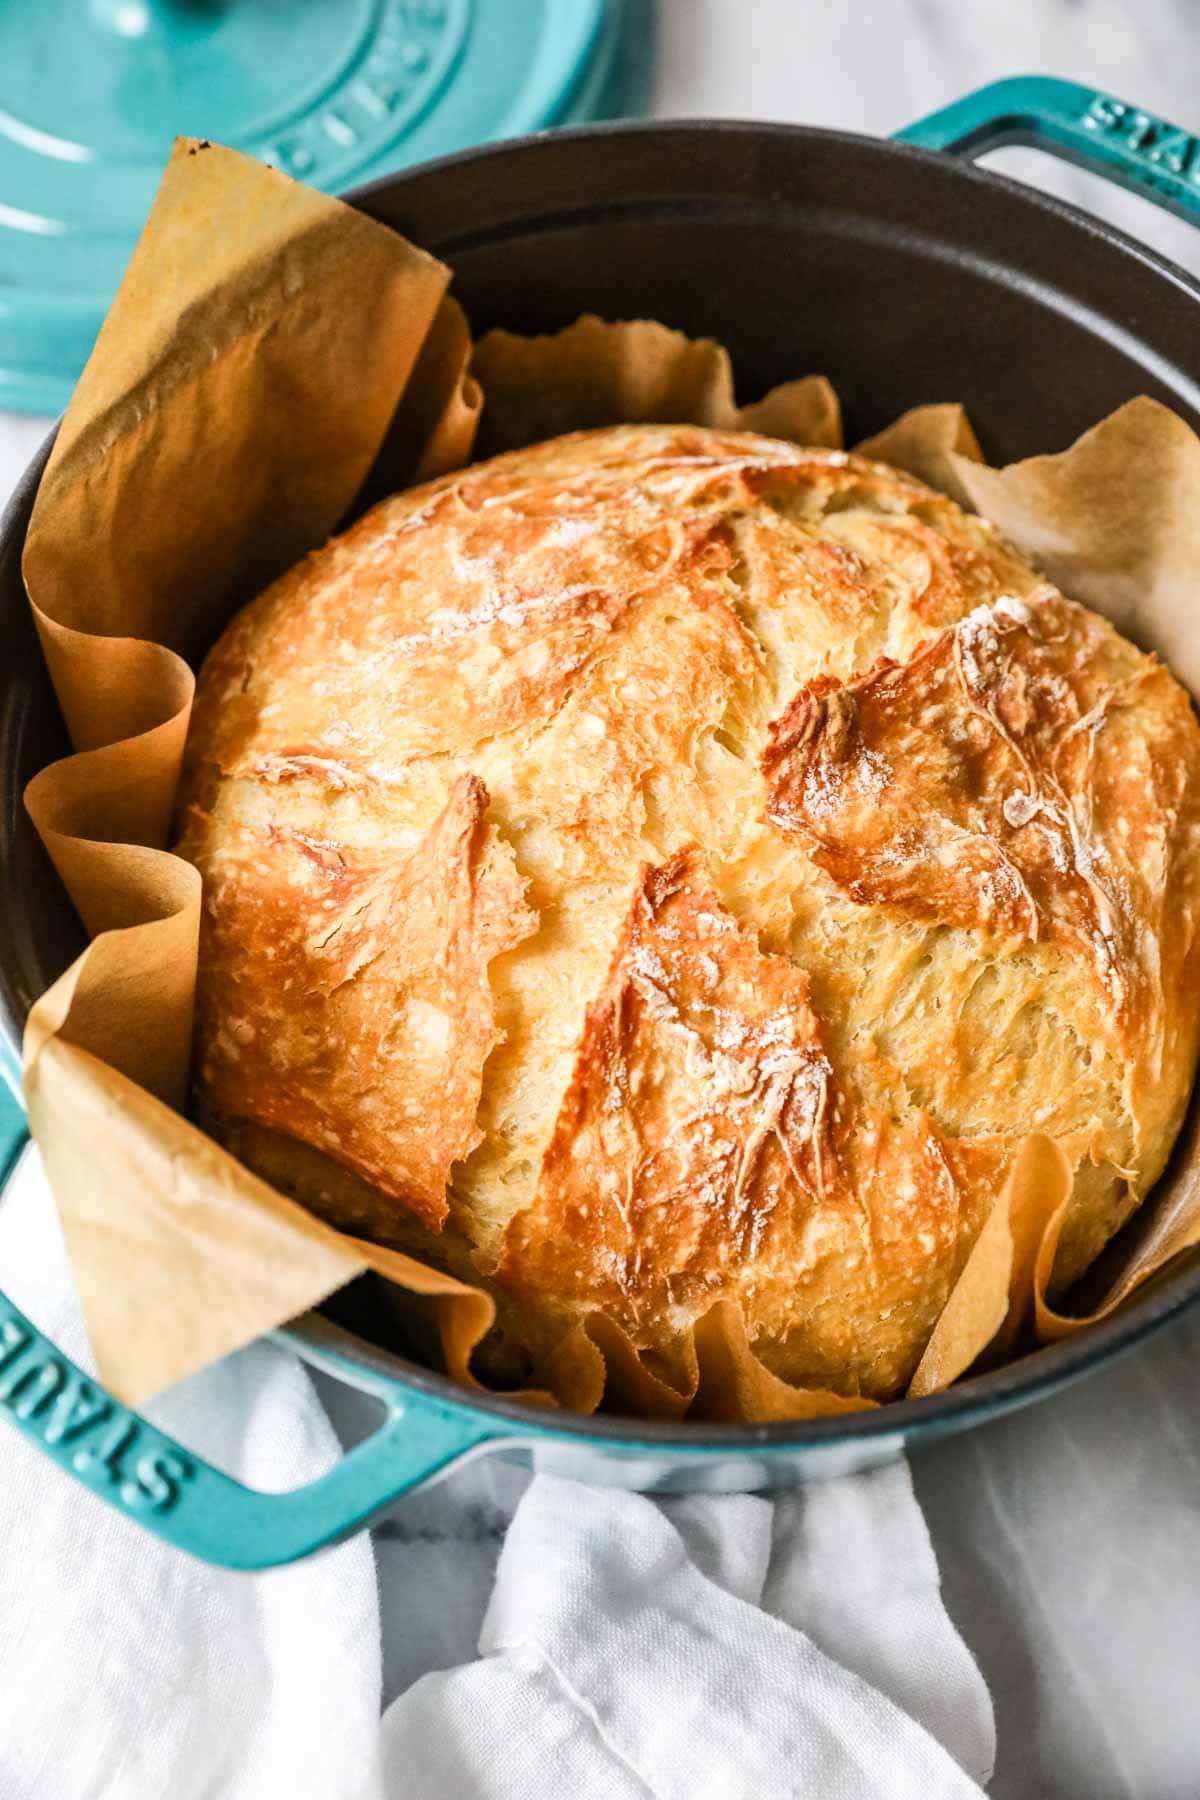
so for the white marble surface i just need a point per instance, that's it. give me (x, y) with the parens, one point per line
(1069, 1535)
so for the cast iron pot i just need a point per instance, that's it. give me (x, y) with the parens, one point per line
(907, 276)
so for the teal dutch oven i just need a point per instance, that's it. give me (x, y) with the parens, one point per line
(908, 275)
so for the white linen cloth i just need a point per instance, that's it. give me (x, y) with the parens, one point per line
(704, 1646)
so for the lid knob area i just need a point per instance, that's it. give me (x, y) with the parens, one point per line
(92, 92)
(140, 18)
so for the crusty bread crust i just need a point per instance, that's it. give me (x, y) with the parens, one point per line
(667, 865)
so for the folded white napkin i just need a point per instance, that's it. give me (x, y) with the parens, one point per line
(716, 1646)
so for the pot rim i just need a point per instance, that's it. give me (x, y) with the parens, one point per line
(618, 130)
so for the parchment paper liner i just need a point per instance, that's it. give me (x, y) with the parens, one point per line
(267, 347)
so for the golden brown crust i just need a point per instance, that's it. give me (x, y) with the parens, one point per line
(705, 1150)
(1029, 777)
(700, 1082)
(353, 1010)
(973, 784)
(627, 746)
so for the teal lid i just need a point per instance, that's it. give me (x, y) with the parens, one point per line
(336, 92)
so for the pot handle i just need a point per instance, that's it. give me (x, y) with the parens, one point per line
(175, 1493)
(1107, 136)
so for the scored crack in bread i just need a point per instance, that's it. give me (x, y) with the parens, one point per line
(666, 865)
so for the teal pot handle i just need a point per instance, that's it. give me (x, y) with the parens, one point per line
(175, 1493)
(1110, 137)
(13, 1132)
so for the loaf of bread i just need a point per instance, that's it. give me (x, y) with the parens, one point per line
(666, 865)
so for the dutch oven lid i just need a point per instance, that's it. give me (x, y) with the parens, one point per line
(92, 93)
